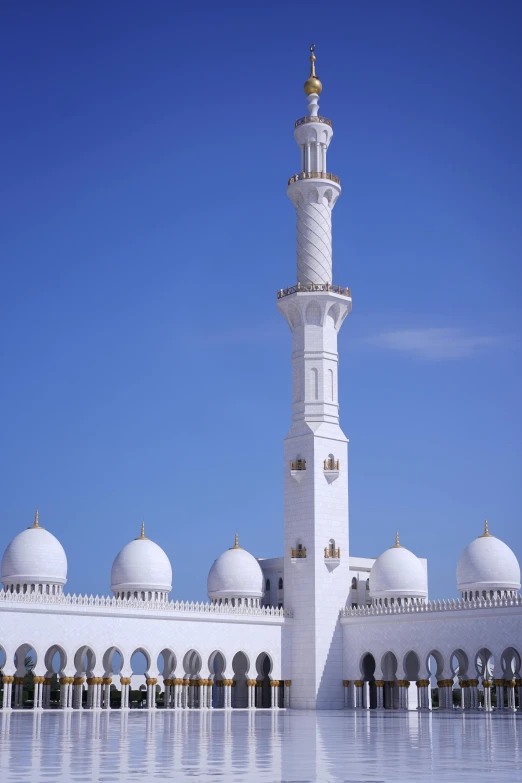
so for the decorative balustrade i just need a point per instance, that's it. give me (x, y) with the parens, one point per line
(108, 602)
(331, 464)
(451, 605)
(306, 288)
(314, 175)
(332, 552)
(300, 552)
(317, 118)
(298, 464)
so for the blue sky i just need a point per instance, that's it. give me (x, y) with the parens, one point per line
(145, 231)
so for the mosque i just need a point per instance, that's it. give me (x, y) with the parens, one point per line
(314, 629)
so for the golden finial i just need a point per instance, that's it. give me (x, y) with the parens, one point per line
(397, 544)
(486, 533)
(236, 543)
(35, 524)
(312, 85)
(142, 536)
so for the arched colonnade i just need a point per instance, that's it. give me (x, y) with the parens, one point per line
(88, 679)
(481, 680)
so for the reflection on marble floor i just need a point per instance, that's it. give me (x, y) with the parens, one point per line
(353, 747)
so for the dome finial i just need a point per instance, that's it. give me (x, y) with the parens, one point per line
(142, 536)
(486, 533)
(236, 542)
(36, 524)
(312, 85)
(397, 544)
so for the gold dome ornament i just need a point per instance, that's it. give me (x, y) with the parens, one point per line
(312, 85)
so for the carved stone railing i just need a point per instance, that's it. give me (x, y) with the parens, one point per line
(331, 464)
(298, 553)
(298, 464)
(305, 288)
(451, 605)
(317, 118)
(314, 175)
(333, 553)
(108, 602)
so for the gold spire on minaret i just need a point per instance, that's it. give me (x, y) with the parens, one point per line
(397, 544)
(142, 536)
(486, 533)
(36, 524)
(312, 85)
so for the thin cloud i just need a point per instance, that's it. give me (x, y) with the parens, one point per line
(435, 344)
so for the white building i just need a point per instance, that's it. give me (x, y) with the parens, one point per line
(313, 629)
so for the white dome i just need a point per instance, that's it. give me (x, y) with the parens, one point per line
(488, 564)
(398, 573)
(34, 556)
(141, 566)
(235, 574)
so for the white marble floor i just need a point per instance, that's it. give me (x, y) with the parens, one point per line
(242, 746)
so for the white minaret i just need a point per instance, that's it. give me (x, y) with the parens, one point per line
(316, 565)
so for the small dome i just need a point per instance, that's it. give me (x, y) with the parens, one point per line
(398, 573)
(140, 568)
(34, 557)
(235, 574)
(487, 564)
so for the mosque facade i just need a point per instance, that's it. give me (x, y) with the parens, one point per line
(316, 628)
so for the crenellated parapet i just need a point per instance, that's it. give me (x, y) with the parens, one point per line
(417, 607)
(110, 603)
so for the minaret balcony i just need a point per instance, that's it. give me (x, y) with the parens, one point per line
(297, 468)
(331, 469)
(332, 557)
(298, 553)
(309, 118)
(306, 288)
(314, 175)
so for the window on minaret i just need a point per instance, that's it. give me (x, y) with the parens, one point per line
(267, 585)
(354, 583)
(280, 583)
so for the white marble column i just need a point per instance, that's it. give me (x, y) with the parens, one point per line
(518, 683)
(274, 694)
(18, 692)
(78, 692)
(486, 684)
(151, 683)
(424, 699)
(209, 694)
(259, 693)
(202, 695)
(167, 694)
(106, 701)
(46, 701)
(403, 686)
(359, 698)
(227, 694)
(125, 689)
(510, 687)
(473, 695)
(499, 688)
(7, 681)
(288, 684)
(379, 691)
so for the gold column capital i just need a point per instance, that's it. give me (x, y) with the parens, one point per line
(288, 683)
(499, 681)
(403, 683)
(79, 680)
(486, 683)
(274, 683)
(251, 683)
(472, 683)
(379, 683)
(19, 680)
(358, 683)
(422, 683)
(151, 681)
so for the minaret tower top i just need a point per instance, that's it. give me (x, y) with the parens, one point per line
(314, 190)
